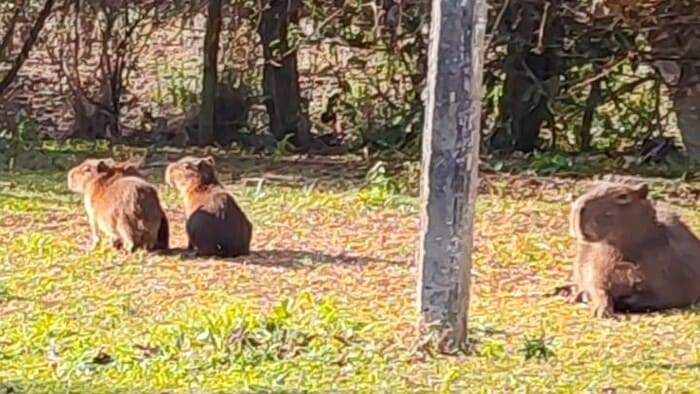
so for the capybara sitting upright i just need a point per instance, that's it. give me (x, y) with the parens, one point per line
(120, 204)
(216, 225)
(632, 256)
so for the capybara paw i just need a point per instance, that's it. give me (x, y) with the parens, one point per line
(92, 245)
(580, 296)
(602, 312)
(189, 253)
(117, 244)
(563, 290)
(130, 247)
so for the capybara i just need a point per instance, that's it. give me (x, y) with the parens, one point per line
(215, 224)
(120, 204)
(632, 256)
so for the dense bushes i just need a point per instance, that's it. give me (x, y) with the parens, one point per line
(343, 75)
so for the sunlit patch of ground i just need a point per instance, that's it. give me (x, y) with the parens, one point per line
(325, 303)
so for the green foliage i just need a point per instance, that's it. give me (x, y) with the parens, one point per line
(377, 176)
(361, 77)
(382, 189)
(634, 107)
(550, 163)
(177, 86)
(17, 141)
(5, 295)
(283, 147)
(536, 348)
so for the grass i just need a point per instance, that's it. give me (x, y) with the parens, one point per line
(326, 303)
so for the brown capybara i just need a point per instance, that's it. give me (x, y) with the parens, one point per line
(120, 204)
(215, 224)
(632, 256)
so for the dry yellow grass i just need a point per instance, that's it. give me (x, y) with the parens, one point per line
(326, 303)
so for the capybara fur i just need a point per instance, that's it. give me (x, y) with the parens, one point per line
(120, 205)
(632, 256)
(215, 224)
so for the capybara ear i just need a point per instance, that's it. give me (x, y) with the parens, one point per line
(209, 160)
(641, 190)
(206, 163)
(131, 169)
(103, 166)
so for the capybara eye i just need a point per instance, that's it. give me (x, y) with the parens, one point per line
(623, 197)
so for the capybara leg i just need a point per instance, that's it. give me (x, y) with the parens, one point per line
(151, 242)
(94, 235)
(601, 304)
(117, 243)
(579, 296)
(207, 251)
(162, 238)
(563, 290)
(201, 252)
(129, 246)
(571, 292)
(221, 251)
(127, 236)
(94, 242)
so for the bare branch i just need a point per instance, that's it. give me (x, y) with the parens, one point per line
(28, 44)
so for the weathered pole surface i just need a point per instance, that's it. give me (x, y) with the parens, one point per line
(449, 169)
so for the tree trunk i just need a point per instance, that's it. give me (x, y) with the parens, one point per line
(5, 43)
(530, 65)
(686, 103)
(210, 77)
(677, 52)
(28, 44)
(449, 169)
(673, 36)
(592, 102)
(280, 74)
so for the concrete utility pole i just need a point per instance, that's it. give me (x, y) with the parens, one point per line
(449, 169)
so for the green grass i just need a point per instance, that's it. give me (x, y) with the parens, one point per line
(325, 304)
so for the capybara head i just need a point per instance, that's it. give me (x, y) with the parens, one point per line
(612, 211)
(80, 175)
(190, 172)
(91, 169)
(123, 168)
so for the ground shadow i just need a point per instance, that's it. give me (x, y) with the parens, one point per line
(693, 309)
(564, 291)
(290, 258)
(667, 366)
